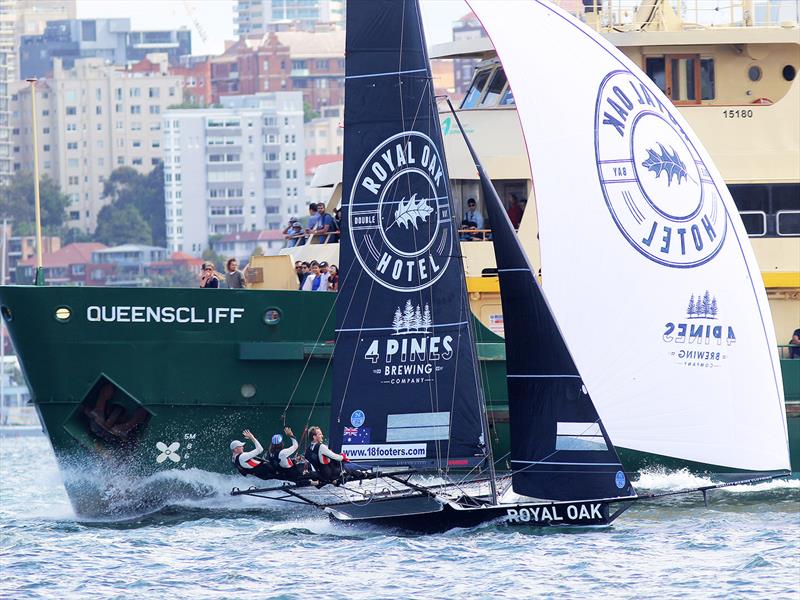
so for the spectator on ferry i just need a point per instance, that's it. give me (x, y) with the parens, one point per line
(327, 224)
(298, 270)
(337, 217)
(234, 278)
(473, 214)
(515, 211)
(316, 281)
(292, 232)
(794, 351)
(208, 276)
(333, 278)
(305, 269)
(313, 221)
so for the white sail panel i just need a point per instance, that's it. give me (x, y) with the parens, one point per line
(645, 260)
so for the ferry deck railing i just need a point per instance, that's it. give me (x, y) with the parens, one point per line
(609, 15)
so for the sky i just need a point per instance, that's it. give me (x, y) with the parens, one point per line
(211, 21)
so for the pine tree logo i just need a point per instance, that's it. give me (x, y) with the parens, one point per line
(704, 307)
(412, 319)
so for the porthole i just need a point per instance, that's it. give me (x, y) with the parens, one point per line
(6, 312)
(754, 73)
(272, 316)
(789, 72)
(63, 314)
(248, 390)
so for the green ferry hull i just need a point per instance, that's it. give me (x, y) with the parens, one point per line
(204, 365)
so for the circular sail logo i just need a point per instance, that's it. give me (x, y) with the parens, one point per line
(399, 217)
(656, 185)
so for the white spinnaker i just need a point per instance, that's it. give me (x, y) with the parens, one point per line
(635, 221)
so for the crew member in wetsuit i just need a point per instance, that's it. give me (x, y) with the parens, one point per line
(329, 466)
(247, 463)
(280, 457)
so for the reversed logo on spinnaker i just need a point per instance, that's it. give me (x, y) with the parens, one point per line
(385, 451)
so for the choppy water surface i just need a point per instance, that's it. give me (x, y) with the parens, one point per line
(747, 543)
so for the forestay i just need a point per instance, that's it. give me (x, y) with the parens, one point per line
(644, 258)
(405, 385)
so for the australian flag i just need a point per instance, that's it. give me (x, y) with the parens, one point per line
(356, 435)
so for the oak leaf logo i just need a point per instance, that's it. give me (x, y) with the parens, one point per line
(407, 213)
(671, 164)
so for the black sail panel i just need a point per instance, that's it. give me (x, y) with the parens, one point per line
(560, 449)
(405, 384)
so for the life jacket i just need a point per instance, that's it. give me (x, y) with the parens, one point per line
(253, 462)
(328, 470)
(275, 460)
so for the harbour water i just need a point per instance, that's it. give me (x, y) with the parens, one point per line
(745, 544)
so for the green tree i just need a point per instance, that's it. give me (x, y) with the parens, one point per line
(183, 278)
(17, 204)
(210, 255)
(122, 225)
(308, 112)
(127, 187)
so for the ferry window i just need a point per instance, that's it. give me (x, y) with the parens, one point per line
(495, 88)
(754, 73)
(788, 222)
(789, 72)
(682, 75)
(785, 197)
(508, 98)
(475, 90)
(707, 79)
(654, 66)
(753, 204)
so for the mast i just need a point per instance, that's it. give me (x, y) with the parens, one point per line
(406, 390)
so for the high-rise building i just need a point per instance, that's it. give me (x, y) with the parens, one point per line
(109, 39)
(232, 169)
(467, 27)
(262, 16)
(8, 62)
(93, 118)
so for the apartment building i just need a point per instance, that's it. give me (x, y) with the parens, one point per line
(312, 63)
(93, 118)
(232, 169)
(324, 135)
(262, 16)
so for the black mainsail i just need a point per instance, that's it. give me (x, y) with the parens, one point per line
(560, 449)
(405, 383)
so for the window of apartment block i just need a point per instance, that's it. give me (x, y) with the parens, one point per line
(46, 130)
(155, 109)
(134, 92)
(136, 109)
(72, 145)
(136, 143)
(72, 127)
(72, 111)
(153, 92)
(120, 160)
(46, 148)
(171, 91)
(217, 210)
(137, 161)
(118, 93)
(98, 110)
(118, 108)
